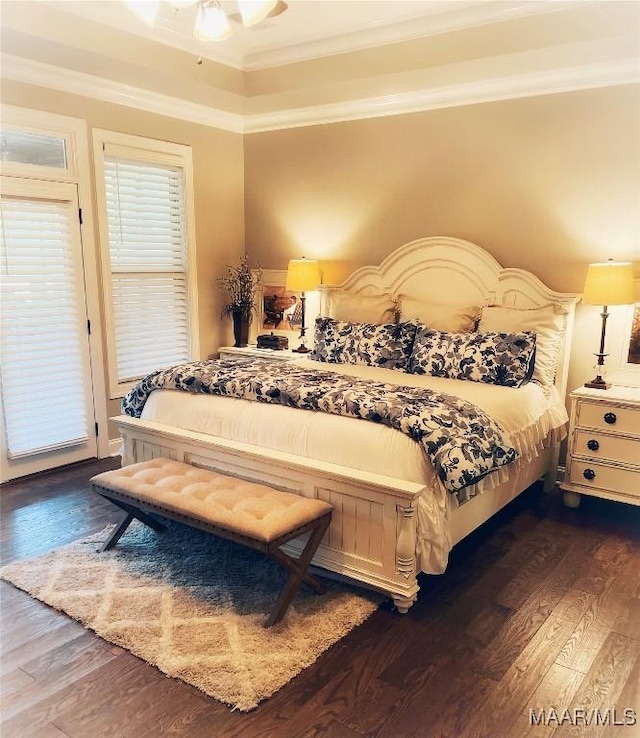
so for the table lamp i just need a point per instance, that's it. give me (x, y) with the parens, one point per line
(302, 275)
(607, 283)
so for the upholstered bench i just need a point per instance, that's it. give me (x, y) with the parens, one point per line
(253, 514)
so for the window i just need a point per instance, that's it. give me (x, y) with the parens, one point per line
(25, 147)
(146, 234)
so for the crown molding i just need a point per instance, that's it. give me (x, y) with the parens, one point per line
(461, 14)
(358, 39)
(37, 73)
(603, 74)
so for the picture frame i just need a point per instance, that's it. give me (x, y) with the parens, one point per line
(277, 310)
(273, 284)
(628, 371)
(633, 344)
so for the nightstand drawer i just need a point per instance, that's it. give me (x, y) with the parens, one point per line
(608, 417)
(599, 476)
(602, 446)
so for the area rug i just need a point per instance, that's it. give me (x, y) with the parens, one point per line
(193, 606)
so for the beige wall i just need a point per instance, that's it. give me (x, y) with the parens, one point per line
(547, 184)
(218, 186)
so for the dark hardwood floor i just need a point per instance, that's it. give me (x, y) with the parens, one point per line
(540, 609)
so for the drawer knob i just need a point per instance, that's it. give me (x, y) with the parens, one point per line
(589, 474)
(610, 418)
(592, 444)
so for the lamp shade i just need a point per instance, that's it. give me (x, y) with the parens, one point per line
(609, 283)
(303, 275)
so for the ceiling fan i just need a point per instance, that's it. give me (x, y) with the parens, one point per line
(211, 20)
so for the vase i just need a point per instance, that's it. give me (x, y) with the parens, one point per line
(240, 329)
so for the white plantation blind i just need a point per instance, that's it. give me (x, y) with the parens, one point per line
(42, 328)
(146, 222)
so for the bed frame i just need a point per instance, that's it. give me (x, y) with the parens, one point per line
(372, 537)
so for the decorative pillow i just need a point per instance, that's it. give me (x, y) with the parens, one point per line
(354, 308)
(330, 340)
(387, 346)
(549, 325)
(496, 358)
(451, 318)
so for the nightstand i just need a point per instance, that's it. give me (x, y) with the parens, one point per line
(232, 352)
(603, 454)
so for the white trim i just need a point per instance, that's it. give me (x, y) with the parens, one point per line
(604, 74)
(79, 171)
(470, 93)
(182, 157)
(376, 35)
(458, 15)
(33, 72)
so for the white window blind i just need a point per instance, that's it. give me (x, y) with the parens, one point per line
(33, 148)
(146, 222)
(42, 327)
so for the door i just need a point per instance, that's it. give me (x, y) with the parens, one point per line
(46, 392)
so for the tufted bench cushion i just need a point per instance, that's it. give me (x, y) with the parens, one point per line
(246, 508)
(247, 512)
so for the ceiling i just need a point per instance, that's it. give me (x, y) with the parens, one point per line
(308, 28)
(322, 60)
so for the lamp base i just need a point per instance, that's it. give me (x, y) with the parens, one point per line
(598, 383)
(302, 349)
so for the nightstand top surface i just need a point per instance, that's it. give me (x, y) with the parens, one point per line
(253, 350)
(616, 392)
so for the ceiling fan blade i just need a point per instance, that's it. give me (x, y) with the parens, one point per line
(279, 8)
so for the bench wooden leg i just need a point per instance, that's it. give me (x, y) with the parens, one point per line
(117, 533)
(132, 513)
(299, 573)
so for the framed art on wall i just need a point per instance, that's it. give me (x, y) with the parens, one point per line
(628, 372)
(633, 352)
(278, 310)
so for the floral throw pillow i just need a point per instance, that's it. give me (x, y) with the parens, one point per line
(387, 346)
(496, 358)
(330, 340)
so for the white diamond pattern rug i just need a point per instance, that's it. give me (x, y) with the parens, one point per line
(194, 606)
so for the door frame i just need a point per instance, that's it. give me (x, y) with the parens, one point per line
(76, 133)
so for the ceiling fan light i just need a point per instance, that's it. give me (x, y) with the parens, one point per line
(254, 11)
(146, 10)
(212, 23)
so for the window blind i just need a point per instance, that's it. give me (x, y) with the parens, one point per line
(42, 327)
(33, 148)
(145, 205)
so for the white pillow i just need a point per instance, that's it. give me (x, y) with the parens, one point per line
(449, 318)
(353, 308)
(548, 323)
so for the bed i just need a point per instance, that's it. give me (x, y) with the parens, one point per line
(393, 516)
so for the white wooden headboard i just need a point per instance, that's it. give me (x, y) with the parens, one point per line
(450, 271)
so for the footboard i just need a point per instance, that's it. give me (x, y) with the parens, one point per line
(372, 536)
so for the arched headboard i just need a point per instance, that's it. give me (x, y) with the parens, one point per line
(451, 271)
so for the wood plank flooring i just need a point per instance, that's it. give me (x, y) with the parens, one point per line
(538, 610)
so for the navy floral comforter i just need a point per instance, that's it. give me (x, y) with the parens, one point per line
(461, 441)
